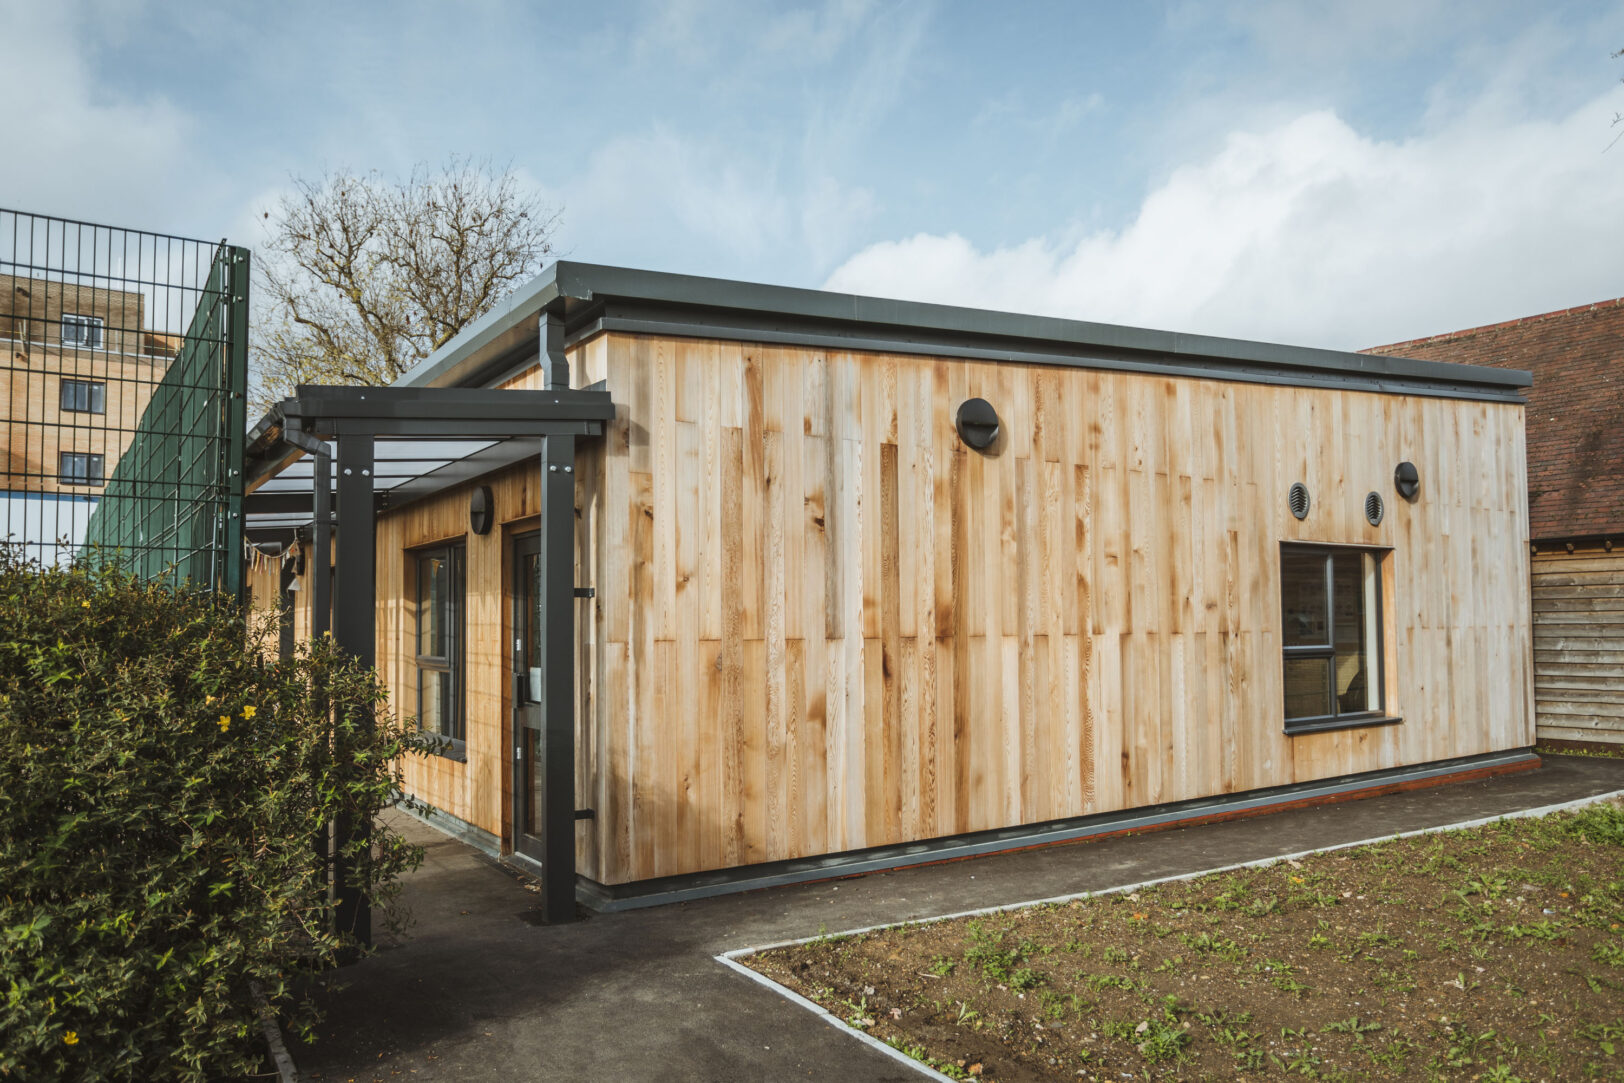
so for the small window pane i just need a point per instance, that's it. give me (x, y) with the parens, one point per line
(438, 635)
(435, 709)
(1354, 677)
(1308, 687)
(431, 598)
(82, 331)
(79, 468)
(1302, 599)
(533, 781)
(84, 396)
(530, 593)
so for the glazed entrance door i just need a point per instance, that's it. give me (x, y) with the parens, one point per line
(527, 722)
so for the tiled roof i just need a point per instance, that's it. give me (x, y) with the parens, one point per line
(1575, 408)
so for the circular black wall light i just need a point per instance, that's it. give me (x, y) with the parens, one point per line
(977, 423)
(481, 510)
(1298, 500)
(1407, 480)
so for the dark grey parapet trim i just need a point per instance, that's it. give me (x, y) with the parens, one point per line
(609, 898)
(594, 298)
(1240, 372)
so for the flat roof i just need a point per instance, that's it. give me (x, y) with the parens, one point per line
(594, 299)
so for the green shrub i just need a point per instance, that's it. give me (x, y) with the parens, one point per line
(162, 787)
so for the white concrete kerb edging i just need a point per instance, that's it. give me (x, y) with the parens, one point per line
(730, 959)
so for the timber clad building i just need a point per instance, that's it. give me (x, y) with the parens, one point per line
(712, 584)
(1576, 503)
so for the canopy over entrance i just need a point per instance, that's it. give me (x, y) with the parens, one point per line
(342, 454)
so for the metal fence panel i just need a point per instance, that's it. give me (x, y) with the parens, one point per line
(122, 412)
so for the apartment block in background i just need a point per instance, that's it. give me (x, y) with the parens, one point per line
(80, 367)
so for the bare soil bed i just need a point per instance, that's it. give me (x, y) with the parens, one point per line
(1493, 954)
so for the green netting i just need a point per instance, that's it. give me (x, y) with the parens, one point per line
(173, 505)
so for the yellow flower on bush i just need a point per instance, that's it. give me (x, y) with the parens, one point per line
(249, 712)
(71, 1038)
(225, 722)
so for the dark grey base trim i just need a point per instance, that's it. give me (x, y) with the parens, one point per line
(456, 827)
(610, 898)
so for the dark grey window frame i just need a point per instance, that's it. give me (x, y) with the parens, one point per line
(1338, 720)
(454, 662)
(89, 331)
(83, 396)
(94, 475)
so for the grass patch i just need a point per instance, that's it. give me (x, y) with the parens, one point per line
(1495, 953)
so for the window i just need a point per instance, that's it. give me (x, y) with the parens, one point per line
(83, 331)
(439, 647)
(1330, 606)
(80, 468)
(84, 397)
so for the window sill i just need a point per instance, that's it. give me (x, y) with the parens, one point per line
(457, 752)
(1323, 725)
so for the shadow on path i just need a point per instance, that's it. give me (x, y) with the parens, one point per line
(476, 991)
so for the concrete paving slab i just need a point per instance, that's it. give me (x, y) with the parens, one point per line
(477, 991)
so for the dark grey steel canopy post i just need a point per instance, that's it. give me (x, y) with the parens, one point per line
(557, 633)
(355, 633)
(361, 421)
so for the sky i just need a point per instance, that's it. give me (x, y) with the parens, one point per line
(1328, 174)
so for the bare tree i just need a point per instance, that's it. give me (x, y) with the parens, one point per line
(363, 278)
(1618, 118)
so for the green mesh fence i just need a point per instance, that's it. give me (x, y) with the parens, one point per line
(174, 502)
(123, 379)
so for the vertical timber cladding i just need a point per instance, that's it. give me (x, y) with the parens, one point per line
(475, 790)
(822, 623)
(1579, 644)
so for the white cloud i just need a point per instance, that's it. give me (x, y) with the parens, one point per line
(1310, 232)
(663, 183)
(129, 160)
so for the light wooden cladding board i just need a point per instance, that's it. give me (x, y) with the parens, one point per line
(822, 623)
(1579, 645)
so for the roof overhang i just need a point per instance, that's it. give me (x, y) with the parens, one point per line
(594, 299)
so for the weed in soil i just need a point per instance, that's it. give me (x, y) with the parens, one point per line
(1490, 954)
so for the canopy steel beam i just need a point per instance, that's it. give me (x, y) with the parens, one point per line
(447, 413)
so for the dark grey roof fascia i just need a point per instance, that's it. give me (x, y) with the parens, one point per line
(593, 297)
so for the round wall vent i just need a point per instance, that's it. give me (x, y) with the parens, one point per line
(1298, 499)
(1407, 480)
(1373, 508)
(977, 423)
